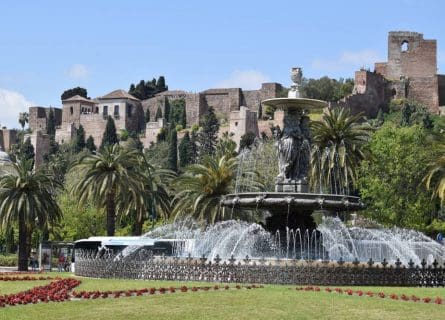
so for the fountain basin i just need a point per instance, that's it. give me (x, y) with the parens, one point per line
(292, 200)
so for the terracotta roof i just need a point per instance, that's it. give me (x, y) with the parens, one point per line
(78, 98)
(119, 94)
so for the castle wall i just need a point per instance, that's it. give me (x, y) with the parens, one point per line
(151, 132)
(426, 91)
(94, 125)
(40, 141)
(223, 101)
(8, 137)
(195, 107)
(418, 60)
(38, 117)
(242, 122)
(369, 94)
(441, 85)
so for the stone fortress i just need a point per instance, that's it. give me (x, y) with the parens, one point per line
(410, 72)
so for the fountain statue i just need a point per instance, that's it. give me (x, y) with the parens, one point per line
(292, 204)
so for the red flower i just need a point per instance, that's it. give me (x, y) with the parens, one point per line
(426, 300)
(394, 296)
(438, 300)
(381, 295)
(328, 289)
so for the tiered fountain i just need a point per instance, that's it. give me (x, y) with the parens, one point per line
(291, 204)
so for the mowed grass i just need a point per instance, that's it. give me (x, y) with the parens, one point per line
(270, 302)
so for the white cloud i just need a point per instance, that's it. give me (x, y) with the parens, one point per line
(11, 104)
(347, 60)
(245, 79)
(78, 71)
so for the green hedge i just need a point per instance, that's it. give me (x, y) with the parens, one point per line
(9, 260)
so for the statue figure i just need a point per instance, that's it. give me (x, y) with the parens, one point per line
(289, 147)
(305, 149)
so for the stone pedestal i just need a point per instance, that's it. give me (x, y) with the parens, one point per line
(299, 186)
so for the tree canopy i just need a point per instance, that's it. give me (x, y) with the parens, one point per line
(73, 92)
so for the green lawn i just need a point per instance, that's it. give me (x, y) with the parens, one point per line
(271, 302)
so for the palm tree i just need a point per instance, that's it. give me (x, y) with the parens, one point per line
(340, 142)
(27, 197)
(106, 176)
(201, 188)
(152, 199)
(435, 177)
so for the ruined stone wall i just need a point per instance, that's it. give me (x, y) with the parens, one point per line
(425, 90)
(223, 101)
(39, 115)
(8, 137)
(252, 99)
(195, 107)
(369, 94)
(40, 141)
(416, 59)
(151, 132)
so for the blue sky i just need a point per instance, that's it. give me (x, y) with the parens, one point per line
(49, 46)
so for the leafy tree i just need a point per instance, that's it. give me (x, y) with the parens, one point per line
(177, 112)
(340, 142)
(79, 221)
(185, 150)
(51, 123)
(147, 89)
(73, 92)
(26, 151)
(105, 177)
(435, 176)
(110, 135)
(162, 135)
(26, 198)
(200, 189)
(208, 135)
(90, 144)
(173, 151)
(327, 89)
(157, 154)
(79, 143)
(158, 113)
(226, 147)
(167, 110)
(391, 181)
(247, 140)
(147, 116)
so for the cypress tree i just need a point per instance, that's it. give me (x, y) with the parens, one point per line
(209, 134)
(90, 144)
(160, 84)
(26, 151)
(158, 113)
(147, 116)
(80, 143)
(194, 146)
(183, 117)
(110, 135)
(185, 151)
(167, 111)
(51, 123)
(173, 151)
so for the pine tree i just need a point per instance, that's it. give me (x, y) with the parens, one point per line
(158, 113)
(51, 123)
(80, 143)
(185, 151)
(147, 116)
(160, 84)
(173, 150)
(209, 134)
(110, 135)
(73, 92)
(90, 144)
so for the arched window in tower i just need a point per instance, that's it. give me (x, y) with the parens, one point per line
(405, 46)
(71, 110)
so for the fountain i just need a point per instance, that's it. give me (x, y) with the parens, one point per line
(289, 248)
(291, 204)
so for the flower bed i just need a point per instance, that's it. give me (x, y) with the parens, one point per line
(61, 290)
(382, 295)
